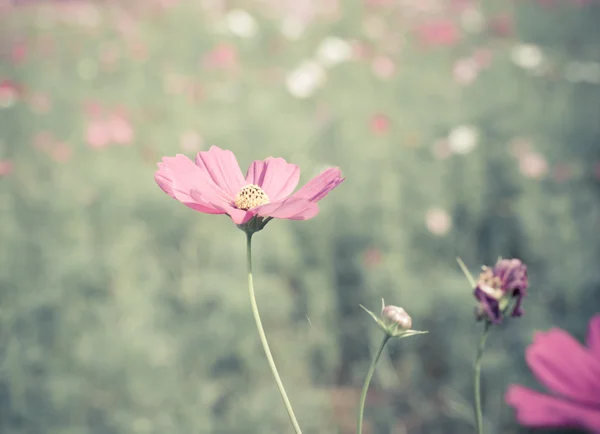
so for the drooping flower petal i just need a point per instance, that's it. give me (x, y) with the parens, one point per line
(275, 176)
(564, 366)
(223, 168)
(291, 208)
(318, 187)
(178, 175)
(593, 337)
(489, 305)
(537, 410)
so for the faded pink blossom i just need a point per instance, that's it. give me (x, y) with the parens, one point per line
(61, 152)
(439, 32)
(501, 25)
(465, 71)
(383, 67)
(105, 128)
(441, 149)
(222, 56)
(533, 165)
(6, 167)
(380, 124)
(571, 372)
(9, 93)
(372, 257)
(18, 53)
(438, 221)
(562, 172)
(215, 185)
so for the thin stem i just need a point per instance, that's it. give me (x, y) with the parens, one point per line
(263, 338)
(478, 412)
(363, 395)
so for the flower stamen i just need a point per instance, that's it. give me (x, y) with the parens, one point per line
(490, 284)
(250, 196)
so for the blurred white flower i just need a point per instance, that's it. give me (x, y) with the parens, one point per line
(533, 165)
(463, 139)
(241, 23)
(578, 72)
(527, 56)
(438, 221)
(333, 50)
(305, 79)
(472, 20)
(292, 28)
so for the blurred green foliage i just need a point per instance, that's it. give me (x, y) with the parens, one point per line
(122, 311)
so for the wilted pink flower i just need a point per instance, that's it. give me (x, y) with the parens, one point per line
(215, 185)
(569, 370)
(497, 286)
(442, 32)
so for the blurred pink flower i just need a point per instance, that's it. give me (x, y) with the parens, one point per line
(465, 71)
(9, 93)
(533, 165)
(383, 67)
(568, 369)
(215, 185)
(438, 221)
(18, 53)
(6, 167)
(222, 56)
(380, 124)
(372, 257)
(107, 127)
(501, 25)
(439, 32)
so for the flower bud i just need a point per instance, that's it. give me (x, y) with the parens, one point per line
(394, 321)
(396, 316)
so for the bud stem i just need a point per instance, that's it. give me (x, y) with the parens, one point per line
(478, 412)
(263, 337)
(363, 395)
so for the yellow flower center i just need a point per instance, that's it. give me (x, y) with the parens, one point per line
(490, 284)
(250, 196)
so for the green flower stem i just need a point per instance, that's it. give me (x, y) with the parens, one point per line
(363, 395)
(263, 338)
(478, 413)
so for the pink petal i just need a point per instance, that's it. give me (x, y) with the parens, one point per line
(223, 168)
(275, 176)
(537, 410)
(593, 336)
(318, 187)
(178, 175)
(291, 208)
(564, 366)
(238, 216)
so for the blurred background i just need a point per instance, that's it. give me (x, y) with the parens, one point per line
(465, 128)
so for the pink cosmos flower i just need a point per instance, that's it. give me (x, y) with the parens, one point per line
(568, 369)
(215, 185)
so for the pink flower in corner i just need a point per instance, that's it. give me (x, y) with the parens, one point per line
(572, 372)
(215, 185)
